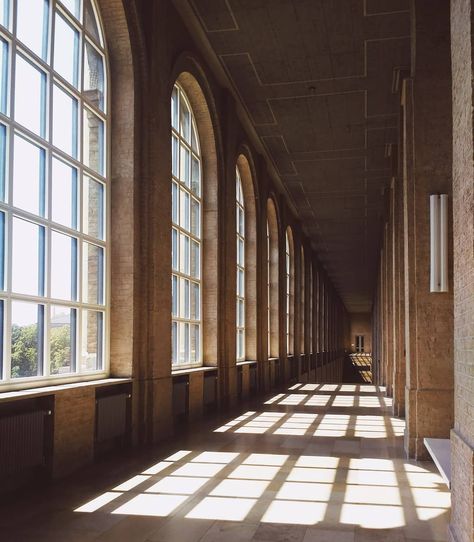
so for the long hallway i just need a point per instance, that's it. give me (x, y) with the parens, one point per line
(321, 462)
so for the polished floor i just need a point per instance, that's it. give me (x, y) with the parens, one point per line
(320, 463)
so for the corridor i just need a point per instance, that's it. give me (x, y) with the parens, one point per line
(320, 462)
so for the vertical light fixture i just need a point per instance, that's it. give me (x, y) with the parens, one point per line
(439, 242)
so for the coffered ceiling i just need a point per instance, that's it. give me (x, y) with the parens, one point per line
(316, 79)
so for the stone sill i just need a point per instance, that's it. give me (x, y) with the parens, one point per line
(240, 363)
(51, 390)
(203, 369)
(440, 451)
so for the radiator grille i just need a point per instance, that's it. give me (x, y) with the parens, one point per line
(111, 416)
(21, 442)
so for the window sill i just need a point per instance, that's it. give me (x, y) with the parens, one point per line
(49, 390)
(246, 362)
(203, 369)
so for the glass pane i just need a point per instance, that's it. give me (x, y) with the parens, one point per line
(74, 6)
(174, 157)
(2, 259)
(30, 96)
(65, 122)
(66, 50)
(27, 257)
(28, 176)
(174, 250)
(195, 217)
(184, 165)
(92, 341)
(184, 253)
(174, 109)
(94, 79)
(3, 160)
(195, 260)
(27, 339)
(240, 252)
(184, 120)
(93, 274)
(184, 300)
(194, 344)
(174, 342)
(174, 295)
(32, 25)
(174, 203)
(195, 177)
(63, 266)
(5, 13)
(3, 75)
(184, 210)
(90, 22)
(94, 205)
(64, 194)
(195, 313)
(183, 342)
(93, 149)
(62, 340)
(194, 142)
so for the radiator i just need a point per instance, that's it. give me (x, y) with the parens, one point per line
(21, 442)
(111, 416)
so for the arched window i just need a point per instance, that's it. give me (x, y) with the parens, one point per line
(240, 229)
(272, 280)
(311, 305)
(54, 134)
(289, 290)
(302, 304)
(186, 234)
(269, 281)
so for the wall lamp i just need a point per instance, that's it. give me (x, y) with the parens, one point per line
(439, 242)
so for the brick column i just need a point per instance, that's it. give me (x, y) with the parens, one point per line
(462, 436)
(427, 170)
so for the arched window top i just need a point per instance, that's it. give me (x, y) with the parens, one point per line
(186, 232)
(54, 186)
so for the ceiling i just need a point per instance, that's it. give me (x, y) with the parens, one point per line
(316, 79)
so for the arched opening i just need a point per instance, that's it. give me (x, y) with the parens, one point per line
(272, 280)
(302, 303)
(289, 291)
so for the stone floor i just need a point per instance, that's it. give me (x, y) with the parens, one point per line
(320, 463)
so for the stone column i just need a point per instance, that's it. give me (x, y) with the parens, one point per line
(427, 134)
(462, 436)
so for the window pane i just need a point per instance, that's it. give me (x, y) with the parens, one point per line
(184, 253)
(174, 203)
(93, 145)
(64, 122)
(92, 341)
(62, 340)
(74, 6)
(184, 301)
(195, 217)
(30, 96)
(174, 342)
(64, 194)
(174, 109)
(194, 143)
(93, 274)
(3, 75)
(183, 342)
(27, 339)
(2, 257)
(184, 165)
(3, 160)
(184, 209)
(32, 25)
(91, 22)
(174, 250)
(28, 176)
(174, 156)
(195, 260)
(194, 343)
(5, 13)
(94, 79)
(184, 120)
(27, 257)
(195, 177)
(63, 266)
(94, 205)
(195, 312)
(66, 50)
(174, 295)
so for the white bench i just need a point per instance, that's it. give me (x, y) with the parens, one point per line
(440, 451)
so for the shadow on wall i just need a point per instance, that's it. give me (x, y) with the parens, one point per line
(357, 368)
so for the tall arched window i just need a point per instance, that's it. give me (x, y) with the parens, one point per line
(302, 304)
(269, 281)
(186, 233)
(53, 191)
(289, 290)
(272, 279)
(240, 229)
(311, 305)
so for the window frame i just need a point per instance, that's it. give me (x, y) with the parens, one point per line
(240, 267)
(82, 307)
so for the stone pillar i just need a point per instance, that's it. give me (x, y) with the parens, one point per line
(427, 131)
(462, 436)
